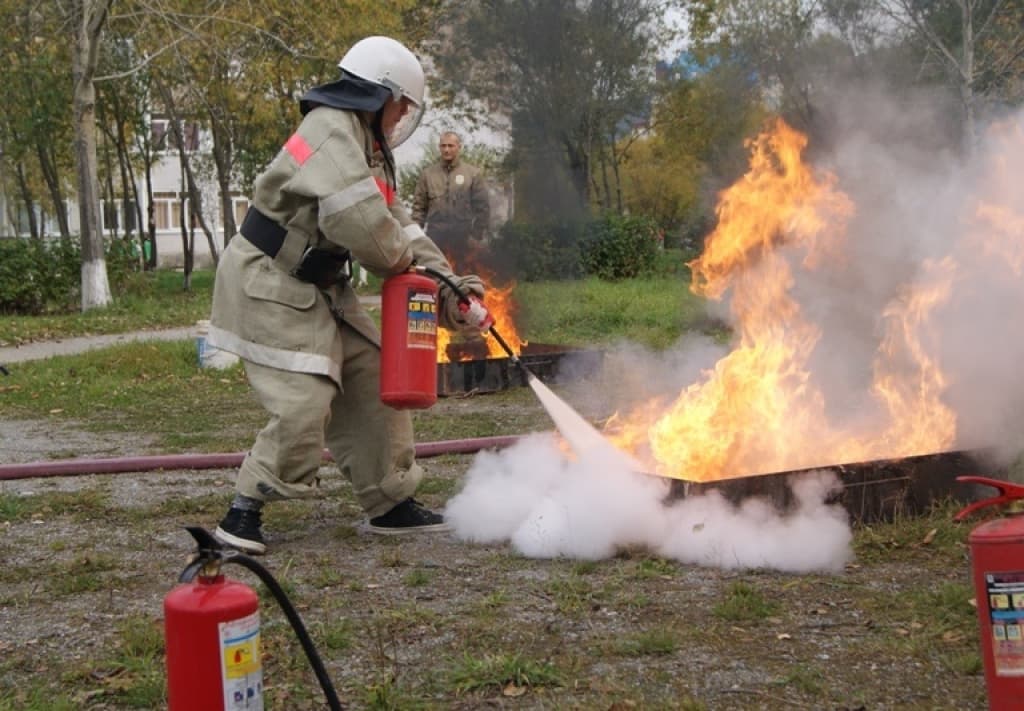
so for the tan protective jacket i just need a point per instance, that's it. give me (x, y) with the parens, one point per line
(321, 188)
(451, 202)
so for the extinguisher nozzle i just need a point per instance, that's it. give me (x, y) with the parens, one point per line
(204, 539)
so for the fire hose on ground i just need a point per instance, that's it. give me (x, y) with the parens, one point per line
(138, 464)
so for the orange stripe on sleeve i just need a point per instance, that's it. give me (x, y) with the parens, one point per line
(298, 148)
(386, 190)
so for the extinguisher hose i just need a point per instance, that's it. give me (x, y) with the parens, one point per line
(296, 622)
(464, 298)
(210, 551)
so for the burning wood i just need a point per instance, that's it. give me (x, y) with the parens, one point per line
(880, 490)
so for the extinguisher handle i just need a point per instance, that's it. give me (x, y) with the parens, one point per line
(464, 298)
(1007, 492)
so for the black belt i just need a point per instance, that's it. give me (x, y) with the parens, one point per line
(322, 267)
(263, 232)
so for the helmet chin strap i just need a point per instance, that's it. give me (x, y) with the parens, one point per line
(376, 126)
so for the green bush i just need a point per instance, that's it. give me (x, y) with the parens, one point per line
(611, 247)
(35, 274)
(537, 252)
(39, 276)
(620, 247)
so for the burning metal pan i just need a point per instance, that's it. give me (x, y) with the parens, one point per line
(880, 490)
(550, 363)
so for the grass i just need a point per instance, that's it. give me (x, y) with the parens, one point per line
(655, 311)
(151, 300)
(498, 671)
(149, 387)
(744, 603)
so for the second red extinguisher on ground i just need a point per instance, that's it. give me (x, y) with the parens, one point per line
(408, 343)
(997, 566)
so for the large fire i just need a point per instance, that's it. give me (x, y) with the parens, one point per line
(758, 409)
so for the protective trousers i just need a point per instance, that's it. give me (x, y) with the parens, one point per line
(371, 443)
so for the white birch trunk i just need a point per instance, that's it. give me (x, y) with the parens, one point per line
(90, 17)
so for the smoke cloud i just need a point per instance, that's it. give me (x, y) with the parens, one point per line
(548, 505)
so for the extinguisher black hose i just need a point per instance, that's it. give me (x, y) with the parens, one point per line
(296, 622)
(211, 552)
(464, 298)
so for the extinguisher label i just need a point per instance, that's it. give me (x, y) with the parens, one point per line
(1006, 615)
(422, 320)
(240, 663)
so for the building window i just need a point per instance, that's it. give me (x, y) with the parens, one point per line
(166, 211)
(118, 214)
(163, 138)
(240, 206)
(109, 216)
(23, 224)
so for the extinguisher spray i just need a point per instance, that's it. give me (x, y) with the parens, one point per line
(212, 634)
(997, 562)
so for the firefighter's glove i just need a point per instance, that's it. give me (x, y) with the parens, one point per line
(476, 315)
(452, 316)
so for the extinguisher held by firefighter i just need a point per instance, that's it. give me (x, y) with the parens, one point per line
(997, 568)
(408, 342)
(212, 634)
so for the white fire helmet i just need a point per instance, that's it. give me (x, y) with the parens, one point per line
(390, 64)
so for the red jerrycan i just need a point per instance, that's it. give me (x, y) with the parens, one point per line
(997, 567)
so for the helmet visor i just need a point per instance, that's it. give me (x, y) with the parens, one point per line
(406, 125)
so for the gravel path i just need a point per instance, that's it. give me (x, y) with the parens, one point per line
(68, 346)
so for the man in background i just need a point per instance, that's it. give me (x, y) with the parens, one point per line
(451, 202)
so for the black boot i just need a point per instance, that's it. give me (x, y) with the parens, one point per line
(408, 517)
(241, 529)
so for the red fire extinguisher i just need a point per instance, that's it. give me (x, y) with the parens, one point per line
(408, 341)
(212, 634)
(997, 561)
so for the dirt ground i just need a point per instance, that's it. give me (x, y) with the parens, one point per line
(434, 622)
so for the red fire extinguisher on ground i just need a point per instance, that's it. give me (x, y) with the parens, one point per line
(212, 634)
(997, 562)
(408, 341)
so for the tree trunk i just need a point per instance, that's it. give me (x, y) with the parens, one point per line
(109, 196)
(150, 218)
(967, 76)
(26, 197)
(90, 16)
(188, 181)
(222, 151)
(48, 167)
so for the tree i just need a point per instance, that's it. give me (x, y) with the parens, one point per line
(693, 148)
(571, 77)
(88, 18)
(978, 43)
(770, 40)
(35, 125)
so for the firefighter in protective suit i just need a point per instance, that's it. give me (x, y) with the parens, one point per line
(283, 303)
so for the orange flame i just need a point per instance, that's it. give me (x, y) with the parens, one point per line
(758, 410)
(503, 308)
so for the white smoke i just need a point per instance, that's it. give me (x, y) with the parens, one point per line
(549, 506)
